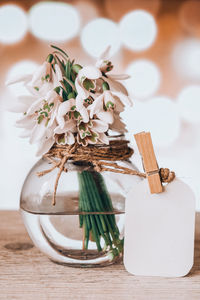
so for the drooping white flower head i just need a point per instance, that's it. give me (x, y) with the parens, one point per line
(69, 103)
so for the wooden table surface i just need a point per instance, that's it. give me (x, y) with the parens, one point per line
(25, 273)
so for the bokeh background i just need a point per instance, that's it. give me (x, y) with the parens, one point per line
(157, 42)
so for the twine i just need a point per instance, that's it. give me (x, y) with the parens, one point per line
(101, 157)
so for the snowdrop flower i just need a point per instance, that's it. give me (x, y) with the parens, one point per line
(39, 121)
(42, 80)
(69, 103)
(86, 80)
(116, 87)
(67, 116)
(117, 125)
(92, 132)
(104, 106)
(103, 63)
(66, 134)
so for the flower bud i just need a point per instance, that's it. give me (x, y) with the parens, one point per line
(49, 58)
(76, 68)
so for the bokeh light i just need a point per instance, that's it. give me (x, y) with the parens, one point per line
(98, 34)
(190, 16)
(186, 58)
(163, 120)
(13, 24)
(54, 21)
(138, 30)
(87, 10)
(23, 67)
(159, 115)
(145, 78)
(121, 8)
(189, 103)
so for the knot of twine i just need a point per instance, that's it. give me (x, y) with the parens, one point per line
(102, 158)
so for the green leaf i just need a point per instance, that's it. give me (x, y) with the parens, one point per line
(36, 88)
(62, 51)
(64, 95)
(67, 86)
(68, 69)
(71, 95)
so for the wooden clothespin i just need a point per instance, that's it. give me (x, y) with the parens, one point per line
(145, 146)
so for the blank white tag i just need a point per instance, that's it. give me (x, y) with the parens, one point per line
(159, 230)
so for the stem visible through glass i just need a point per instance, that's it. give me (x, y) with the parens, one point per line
(94, 197)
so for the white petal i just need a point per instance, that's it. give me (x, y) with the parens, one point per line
(82, 92)
(19, 78)
(18, 108)
(119, 106)
(119, 76)
(38, 132)
(39, 73)
(96, 106)
(125, 99)
(25, 122)
(103, 138)
(118, 125)
(25, 133)
(57, 76)
(106, 53)
(108, 97)
(65, 107)
(99, 126)
(35, 106)
(45, 146)
(69, 137)
(69, 126)
(90, 72)
(81, 109)
(116, 86)
(106, 116)
(26, 99)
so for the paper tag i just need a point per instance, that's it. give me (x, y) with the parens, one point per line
(159, 230)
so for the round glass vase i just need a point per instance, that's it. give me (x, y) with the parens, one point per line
(86, 225)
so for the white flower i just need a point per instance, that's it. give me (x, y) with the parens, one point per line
(67, 122)
(118, 125)
(92, 132)
(86, 80)
(116, 87)
(39, 121)
(63, 112)
(41, 81)
(102, 102)
(105, 105)
(80, 106)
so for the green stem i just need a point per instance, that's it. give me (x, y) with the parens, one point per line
(94, 197)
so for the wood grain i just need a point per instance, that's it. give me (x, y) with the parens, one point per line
(25, 273)
(145, 146)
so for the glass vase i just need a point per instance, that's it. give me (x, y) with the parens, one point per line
(86, 225)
